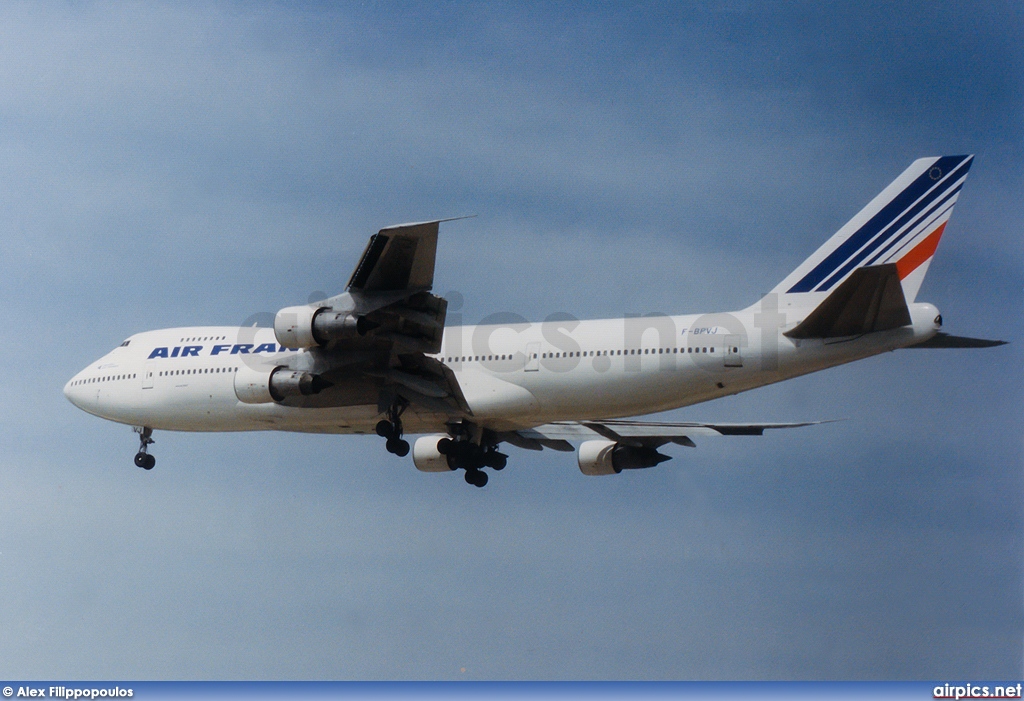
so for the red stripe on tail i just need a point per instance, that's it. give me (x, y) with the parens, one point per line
(919, 253)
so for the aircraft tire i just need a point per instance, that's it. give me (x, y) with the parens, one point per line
(476, 477)
(398, 446)
(140, 459)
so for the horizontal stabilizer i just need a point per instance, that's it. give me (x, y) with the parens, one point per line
(944, 340)
(870, 300)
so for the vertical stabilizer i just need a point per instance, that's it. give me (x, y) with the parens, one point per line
(902, 226)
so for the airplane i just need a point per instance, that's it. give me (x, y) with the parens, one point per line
(378, 358)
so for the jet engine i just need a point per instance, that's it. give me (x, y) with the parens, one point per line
(611, 458)
(306, 326)
(426, 457)
(263, 385)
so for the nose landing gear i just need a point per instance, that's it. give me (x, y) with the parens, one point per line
(142, 458)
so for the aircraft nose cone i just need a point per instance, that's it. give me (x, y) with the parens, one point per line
(71, 393)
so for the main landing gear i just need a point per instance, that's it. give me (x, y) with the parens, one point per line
(464, 454)
(142, 458)
(391, 429)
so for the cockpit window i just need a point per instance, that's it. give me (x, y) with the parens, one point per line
(125, 343)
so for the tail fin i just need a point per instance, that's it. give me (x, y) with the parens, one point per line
(902, 225)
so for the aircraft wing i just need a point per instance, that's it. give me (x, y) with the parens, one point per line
(651, 434)
(398, 258)
(389, 292)
(375, 338)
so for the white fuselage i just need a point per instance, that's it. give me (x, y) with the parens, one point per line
(512, 376)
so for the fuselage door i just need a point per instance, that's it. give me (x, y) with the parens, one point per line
(532, 357)
(733, 357)
(147, 376)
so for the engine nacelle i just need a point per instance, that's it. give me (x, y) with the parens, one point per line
(264, 385)
(306, 326)
(611, 458)
(293, 326)
(426, 457)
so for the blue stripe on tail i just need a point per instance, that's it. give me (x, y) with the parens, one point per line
(843, 256)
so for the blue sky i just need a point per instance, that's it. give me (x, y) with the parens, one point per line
(180, 164)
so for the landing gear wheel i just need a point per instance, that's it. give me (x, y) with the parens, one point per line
(391, 429)
(476, 478)
(496, 461)
(398, 447)
(142, 458)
